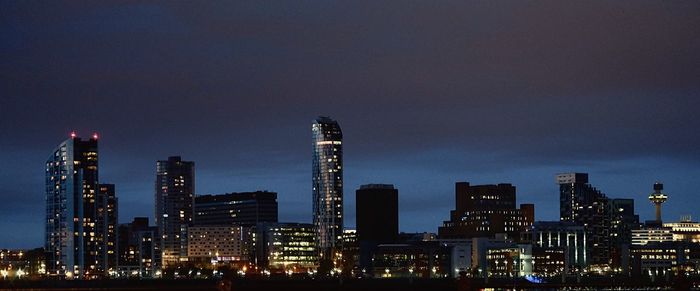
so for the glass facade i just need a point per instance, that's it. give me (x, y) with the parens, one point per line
(76, 230)
(285, 247)
(327, 183)
(245, 209)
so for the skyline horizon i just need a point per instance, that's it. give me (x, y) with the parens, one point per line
(121, 219)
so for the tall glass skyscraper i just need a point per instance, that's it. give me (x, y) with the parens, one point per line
(174, 207)
(327, 183)
(76, 223)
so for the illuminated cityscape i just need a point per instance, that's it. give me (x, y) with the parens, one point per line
(346, 145)
(487, 238)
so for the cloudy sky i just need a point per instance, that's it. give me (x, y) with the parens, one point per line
(427, 93)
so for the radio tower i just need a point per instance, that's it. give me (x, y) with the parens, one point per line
(658, 198)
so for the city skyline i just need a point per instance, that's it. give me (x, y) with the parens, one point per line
(641, 203)
(428, 95)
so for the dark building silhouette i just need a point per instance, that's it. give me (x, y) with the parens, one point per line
(377, 218)
(244, 209)
(327, 183)
(76, 223)
(423, 259)
(108, 214)
(622, 221)
(174, 195)
(138, 248)
(585, 205)
(485, 210)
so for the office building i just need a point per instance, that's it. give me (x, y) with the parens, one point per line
(585, 205)
(216, 243)
(509, 261)
(75, 237)
(566, 235)
(327, 183)
(664, 260)
(350, 251)
(244, 209)
(685, 230)
(174, 201)
(377, 216)
(486, 210)
(460, 255)
(428, 259)
(109, 213)
(285, 247)
(651, 234)
(549, 261)
(138, 249)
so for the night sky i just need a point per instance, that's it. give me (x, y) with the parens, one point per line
(427, 94)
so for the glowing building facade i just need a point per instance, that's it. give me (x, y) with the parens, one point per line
(327, 183)
(174, 201)
(285, 247)
(76, 218)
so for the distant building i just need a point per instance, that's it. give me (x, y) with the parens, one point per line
(23, 263)
(663, 260)
(480, 251)
(109, 212)
(244, 209)
(420, 260)
(460, 256)
(566, 235)
(484, 211)
(216, 243)
(549, 261)
(138, 249)
(327, 183)
(583, 204)
(651, 234)
(174, 203)
(509, 261)
(76, 223)
(350, 251)
(284, 247)
(413, 237)
(377, 215)
(685, 230)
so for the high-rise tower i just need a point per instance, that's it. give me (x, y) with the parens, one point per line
(174, 204)
(75, 242)
(583, 204)
(327, 183)
(658, 198)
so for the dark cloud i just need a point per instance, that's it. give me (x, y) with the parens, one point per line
(427, 94)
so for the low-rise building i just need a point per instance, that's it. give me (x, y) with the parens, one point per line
(216, 243)
(285, 247)
(429, 259)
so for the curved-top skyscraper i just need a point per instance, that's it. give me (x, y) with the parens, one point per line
(327, 183)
